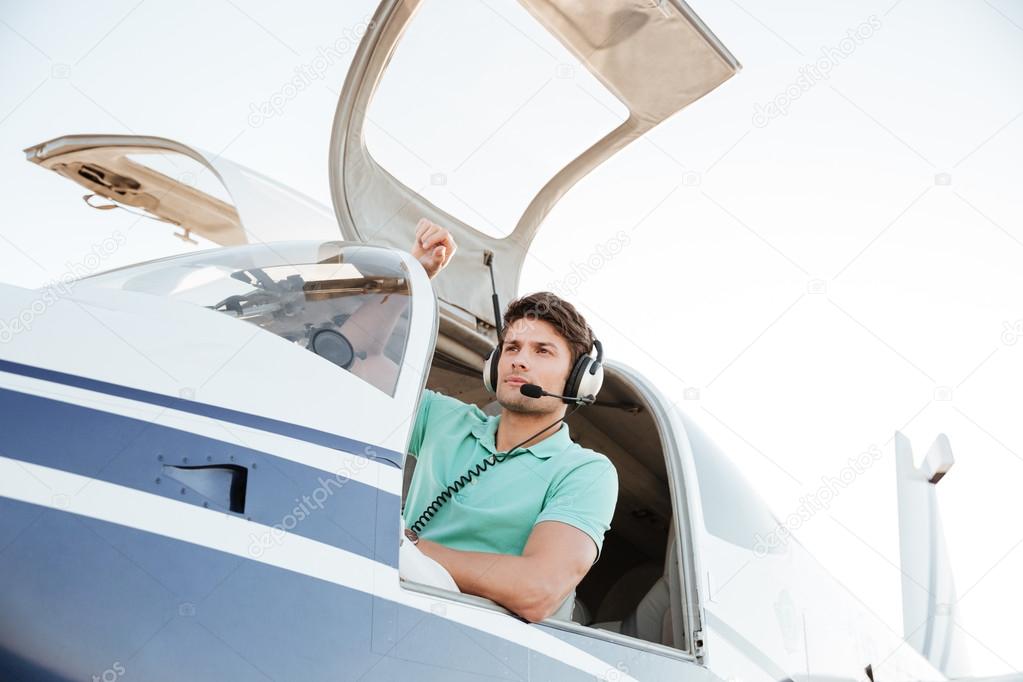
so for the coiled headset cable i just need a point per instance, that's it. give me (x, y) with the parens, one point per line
(466, 478)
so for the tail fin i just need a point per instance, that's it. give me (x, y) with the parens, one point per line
(928, 591)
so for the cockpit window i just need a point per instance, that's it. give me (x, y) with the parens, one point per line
(732, 509)
(347, 303)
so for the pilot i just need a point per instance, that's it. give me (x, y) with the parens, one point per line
(523, 531)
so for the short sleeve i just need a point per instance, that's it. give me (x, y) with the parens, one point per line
(585, 498)
(422, 416)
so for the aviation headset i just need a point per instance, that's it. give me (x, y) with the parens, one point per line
(586, 376)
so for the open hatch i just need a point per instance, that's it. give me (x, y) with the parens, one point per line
(648, 59)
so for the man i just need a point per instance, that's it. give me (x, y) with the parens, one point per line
(524, 531)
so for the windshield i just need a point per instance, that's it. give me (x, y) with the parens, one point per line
(347, 303)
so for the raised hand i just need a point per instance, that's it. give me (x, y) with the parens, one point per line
(434, 246)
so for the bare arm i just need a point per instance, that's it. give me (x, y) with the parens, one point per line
(369, 327)
(556, 557)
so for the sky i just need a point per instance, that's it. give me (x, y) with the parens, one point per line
(821, 252)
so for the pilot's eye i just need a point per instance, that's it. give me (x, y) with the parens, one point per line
(543, 350)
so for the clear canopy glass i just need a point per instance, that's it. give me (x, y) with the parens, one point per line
(347, 303)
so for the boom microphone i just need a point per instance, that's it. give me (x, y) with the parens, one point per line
(534, 391)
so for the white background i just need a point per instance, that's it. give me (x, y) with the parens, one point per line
(819, 280)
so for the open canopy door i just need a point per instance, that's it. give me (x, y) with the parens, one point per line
(146, 174)
(655, 57)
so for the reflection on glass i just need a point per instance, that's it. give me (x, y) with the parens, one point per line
(347, 303)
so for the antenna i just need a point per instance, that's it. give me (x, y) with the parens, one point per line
(488, 260)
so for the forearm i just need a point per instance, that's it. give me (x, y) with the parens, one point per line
(514, 582)
(369, 327)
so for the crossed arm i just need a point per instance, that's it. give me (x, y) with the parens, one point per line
(555, 559)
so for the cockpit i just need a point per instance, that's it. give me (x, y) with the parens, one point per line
(307, 293)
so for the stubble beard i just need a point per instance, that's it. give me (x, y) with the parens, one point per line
(513, 401)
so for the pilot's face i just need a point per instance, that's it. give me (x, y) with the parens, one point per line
(533, 353)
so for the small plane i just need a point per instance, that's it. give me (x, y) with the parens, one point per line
(203, 467)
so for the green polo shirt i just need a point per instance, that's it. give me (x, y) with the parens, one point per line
(553, 480)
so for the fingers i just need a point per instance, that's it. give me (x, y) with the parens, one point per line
(430, 234)
(421, 227)
(425, 227)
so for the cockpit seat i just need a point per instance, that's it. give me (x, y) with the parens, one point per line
(655, 617)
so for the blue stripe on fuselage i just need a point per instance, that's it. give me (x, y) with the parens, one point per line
(328, 507)
(283, 428)
(86, 596)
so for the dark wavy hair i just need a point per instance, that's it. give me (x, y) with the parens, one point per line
(562, 315)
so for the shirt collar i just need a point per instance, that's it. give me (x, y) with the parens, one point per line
(557, 442)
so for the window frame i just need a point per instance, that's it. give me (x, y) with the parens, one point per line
(668, 425)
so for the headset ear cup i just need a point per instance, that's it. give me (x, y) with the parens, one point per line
(575, 376)
(490, 369)
(592, 379)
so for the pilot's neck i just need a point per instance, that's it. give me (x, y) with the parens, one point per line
(513, 427)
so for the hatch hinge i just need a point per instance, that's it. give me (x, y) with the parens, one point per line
(698, 645)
